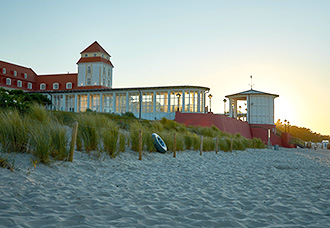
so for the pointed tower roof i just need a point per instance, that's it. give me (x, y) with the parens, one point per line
(95, 47)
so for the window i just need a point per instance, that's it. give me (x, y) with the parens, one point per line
(94, 55)
(55, 85)
(69, 85)
(89, 81)
(42, 86)
(19, 83)
(86, 55)
(29, 85)
(89, 70)
(15, 73)
(8, 81)
(3, 70)
(25, 75)
(103, 82)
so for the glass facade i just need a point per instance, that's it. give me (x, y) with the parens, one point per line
(155, 104)
(69, 103)
(107, 102)
(121, 102)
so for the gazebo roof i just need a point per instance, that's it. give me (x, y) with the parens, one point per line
(251, 92)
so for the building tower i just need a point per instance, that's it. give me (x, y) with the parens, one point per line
(94, 67)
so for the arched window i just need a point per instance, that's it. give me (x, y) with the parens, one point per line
(15, 73)
(4, 70)
(19, 83)
(55, 85)
(42, 86)
(69, 85)
(29, 85)
(25, 75)
(8, 81)
(89, 70)
(89, 81)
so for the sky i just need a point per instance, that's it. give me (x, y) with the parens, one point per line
(283, 44)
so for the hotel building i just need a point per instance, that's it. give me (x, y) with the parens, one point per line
(92, 88)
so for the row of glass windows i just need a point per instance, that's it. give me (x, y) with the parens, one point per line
(193, 102)
(56, 86)
(4, 71)
(95, 55)
(19, 83)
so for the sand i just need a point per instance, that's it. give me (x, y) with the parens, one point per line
(252, 188)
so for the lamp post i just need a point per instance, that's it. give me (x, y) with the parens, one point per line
(210, 96)
(178, 95)
(285, 124)
(224, 108)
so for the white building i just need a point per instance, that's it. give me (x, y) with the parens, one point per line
(258, 106)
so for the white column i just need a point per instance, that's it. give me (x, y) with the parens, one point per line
(183, 100)
(88, 100)
(235, 108)
(63, 103)
(101, 103)
(127, 100)
(169, 101)
(114, 102)
(230, 107)
(154, 105)
(75, 103)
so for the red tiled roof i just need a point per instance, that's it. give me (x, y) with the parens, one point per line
(93, 60)
(61, 79)
(95, 47)
(10, 68)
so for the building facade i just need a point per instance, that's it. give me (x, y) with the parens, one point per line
(91, 88)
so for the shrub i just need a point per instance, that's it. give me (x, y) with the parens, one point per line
(87, 132)
(41, 142)
(39, 113)
(13, 131)
(134, 135)
(109, 134)
(208, 144)
(122, 142)
(60, 141)
(224, 144)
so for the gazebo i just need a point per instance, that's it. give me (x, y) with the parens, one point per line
(259, 106)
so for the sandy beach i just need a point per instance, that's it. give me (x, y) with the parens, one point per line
(252, 188)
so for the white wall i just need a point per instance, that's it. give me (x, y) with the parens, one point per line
(262, 109)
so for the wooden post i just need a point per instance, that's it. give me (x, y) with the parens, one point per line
(174, 145)
(231, 144)
(73, 140)
(216, 145)
(201, 149)
(140, 144)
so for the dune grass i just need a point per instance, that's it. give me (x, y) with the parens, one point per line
(13, 131)
(45, 134)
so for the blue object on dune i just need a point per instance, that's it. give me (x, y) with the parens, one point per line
(159, 143)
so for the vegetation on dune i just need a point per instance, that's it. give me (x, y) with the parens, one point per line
(302, 133)
(47, 134)
(19, 100)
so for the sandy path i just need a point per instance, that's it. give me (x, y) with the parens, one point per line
(253, 188)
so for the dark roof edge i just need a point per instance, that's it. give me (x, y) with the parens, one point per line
(121, 89)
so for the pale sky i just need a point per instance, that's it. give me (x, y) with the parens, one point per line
(284, 44)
